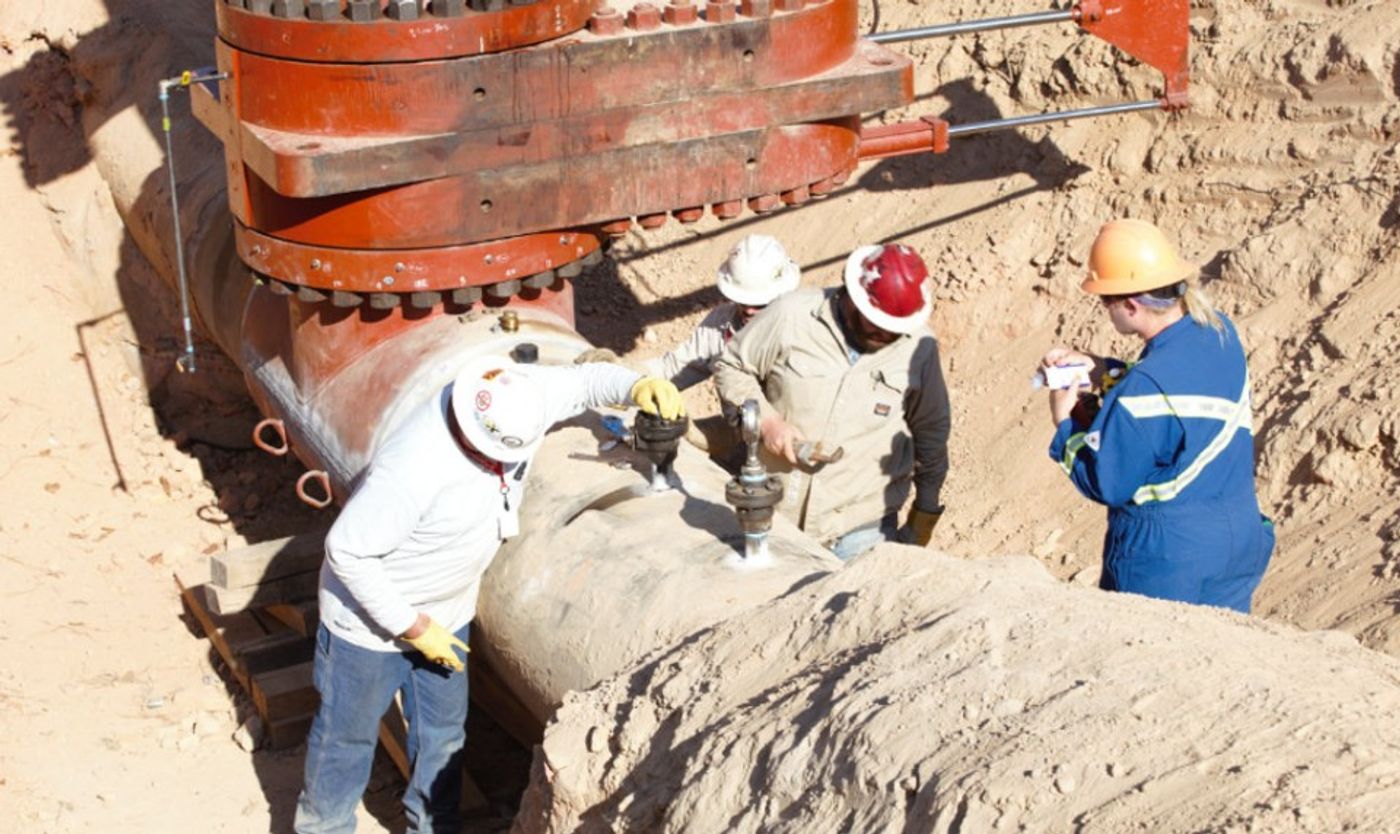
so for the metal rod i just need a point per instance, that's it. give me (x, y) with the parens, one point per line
(1061, 116)
(967, 27)
(186, 361)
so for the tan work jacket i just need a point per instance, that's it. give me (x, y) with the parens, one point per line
(888, 410)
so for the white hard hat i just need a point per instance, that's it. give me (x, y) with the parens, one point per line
(499, 409)
(757, 271)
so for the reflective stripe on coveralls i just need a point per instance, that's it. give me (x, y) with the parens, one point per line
(1235, 421)
(1072, 447)
(1235, 414)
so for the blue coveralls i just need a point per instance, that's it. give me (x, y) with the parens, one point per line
(1171, 453)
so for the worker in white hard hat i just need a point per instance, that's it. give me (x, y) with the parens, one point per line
(852, 402)
(404, 561)
(757, 271)
(1165, 442)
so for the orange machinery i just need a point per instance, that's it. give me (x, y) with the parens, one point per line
(394, 163)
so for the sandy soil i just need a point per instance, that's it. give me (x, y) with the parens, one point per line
(1283, 181)
(913, 691)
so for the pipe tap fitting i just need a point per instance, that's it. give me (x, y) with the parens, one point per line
(658, 439)
(755, 493)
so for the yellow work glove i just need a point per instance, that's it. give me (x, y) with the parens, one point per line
(919, 526)
(440, 646)
(659, 397)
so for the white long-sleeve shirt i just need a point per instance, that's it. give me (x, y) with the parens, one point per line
(425, 521)
(692, 361)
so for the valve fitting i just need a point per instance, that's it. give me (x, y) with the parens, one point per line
(755, 493)
(658, 439)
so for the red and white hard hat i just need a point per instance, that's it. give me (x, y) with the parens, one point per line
(890, 286)
(500, 410)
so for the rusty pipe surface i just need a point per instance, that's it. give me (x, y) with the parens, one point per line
(340, 382)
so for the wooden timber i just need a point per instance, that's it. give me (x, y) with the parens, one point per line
(269, 652)
(256, 564)
(285, 590)
(268, 659)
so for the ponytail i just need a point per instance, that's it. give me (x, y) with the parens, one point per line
(1193, 300)
(1199, 307)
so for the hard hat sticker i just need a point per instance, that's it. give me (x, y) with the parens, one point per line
(510, 441)
(483, 400)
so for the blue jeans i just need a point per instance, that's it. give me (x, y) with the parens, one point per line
(865, 537)
(357, 686)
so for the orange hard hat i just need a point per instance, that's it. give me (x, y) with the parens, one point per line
(1130, 257)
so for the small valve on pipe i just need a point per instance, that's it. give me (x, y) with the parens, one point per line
(658, 439)
(755, 493)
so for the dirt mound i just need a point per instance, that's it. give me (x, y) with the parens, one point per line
(913, 691)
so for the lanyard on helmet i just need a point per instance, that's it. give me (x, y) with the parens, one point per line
(495, 467)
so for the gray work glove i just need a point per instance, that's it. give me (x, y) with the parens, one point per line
(597, 354)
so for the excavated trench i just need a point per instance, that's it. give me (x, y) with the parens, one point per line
(918, 691)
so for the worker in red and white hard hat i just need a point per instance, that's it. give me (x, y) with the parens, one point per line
(403, 565)
(853, 369)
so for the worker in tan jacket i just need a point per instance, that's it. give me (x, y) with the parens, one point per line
(854, 369)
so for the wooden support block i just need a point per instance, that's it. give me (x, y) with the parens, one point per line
(287, 732)
(275, 651)
(285, 693)
(299, 587)
(224, 631)
(258, 651)
(263, 562)
(301, 617)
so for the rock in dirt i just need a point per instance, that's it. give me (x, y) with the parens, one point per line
(249, 735)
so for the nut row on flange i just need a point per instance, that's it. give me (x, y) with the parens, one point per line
(366, 11)
(645, 16)
(730, 209)
(426, 300)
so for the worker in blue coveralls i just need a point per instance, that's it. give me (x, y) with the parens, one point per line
(1166, 442)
